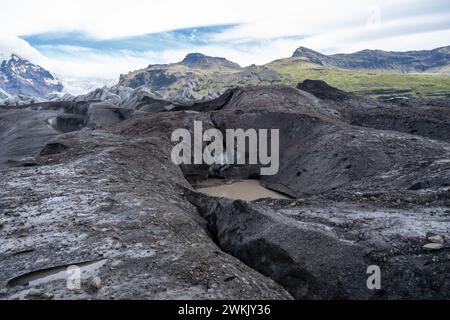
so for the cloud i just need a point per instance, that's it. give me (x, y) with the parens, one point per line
(155, 41)
(380, 35)
(12, 44)
(104, 38)
(81, 62)
(107, 19)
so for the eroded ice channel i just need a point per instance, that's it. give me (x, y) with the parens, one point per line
(87, 270)
(247, 190)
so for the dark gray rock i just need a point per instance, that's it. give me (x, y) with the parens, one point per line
(322, 90)
(322, 249)
(146, 101)
(423, 117)
(67, 122)
(368, 192)
(23, 133)
(115, 199)
(105, 115)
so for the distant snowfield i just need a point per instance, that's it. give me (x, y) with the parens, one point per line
(76, 87)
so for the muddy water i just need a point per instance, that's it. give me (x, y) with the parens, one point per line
(247, 190)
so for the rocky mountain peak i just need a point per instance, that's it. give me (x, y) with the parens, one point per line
(310, 55)
(15, 61)
(20, 76)
(201, 61)
(303, 51)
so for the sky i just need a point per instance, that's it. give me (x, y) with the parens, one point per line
(101, 39)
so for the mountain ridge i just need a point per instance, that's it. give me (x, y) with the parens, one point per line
(374, 73)
(19, 76)
(367, 72)
(405, 62)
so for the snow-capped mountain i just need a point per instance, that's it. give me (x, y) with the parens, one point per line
(21, 77)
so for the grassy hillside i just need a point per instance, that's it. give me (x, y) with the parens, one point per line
(370, 83)
(170, 80)
(177, 80)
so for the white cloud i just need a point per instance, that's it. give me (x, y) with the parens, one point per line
(265, 31)
(266, 18)
(12, 44)
(82, 62)
(410, 33)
